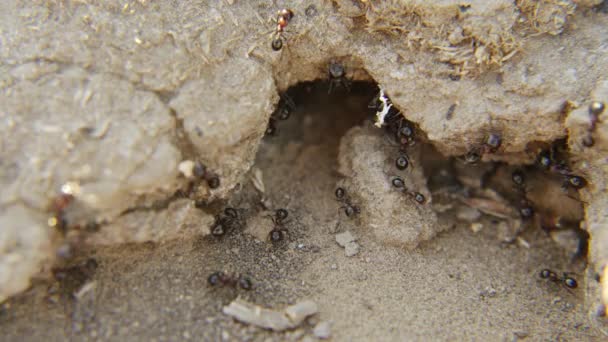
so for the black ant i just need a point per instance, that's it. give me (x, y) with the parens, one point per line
(399, 184)
(283, 111)
(337, 77)
(595, 109)
(225, 221)
(565, 280)
(401, 128)
(526, 210)
(490, 145)
(224, 279)
(547, 161)
(349, 208)
(277, 233)
(282, 20)
(201, 172)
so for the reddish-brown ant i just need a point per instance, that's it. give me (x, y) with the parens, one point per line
(279, 230)
(282, 20)
(349, 208)
(565, 280)
(223, 279)
(58, 206)
(399, 184)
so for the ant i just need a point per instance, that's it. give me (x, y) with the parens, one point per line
(547, 161)
(277, 233)
(201, 172)
(224, 279)
(399, 184)
(58, 206)
(283, 111)
(337, 77)
(225, 221)
(526, 210)
(401, 128)
(565, 280)
(595, 109)
(491, 144)
(349, 208)
(282, 20)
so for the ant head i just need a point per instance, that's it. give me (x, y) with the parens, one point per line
(596, 108)
(218, 229)
(518, 177)
(213, 182)
(231, 212)
(245, 283)
(472, 157)
(336, 70)
(493, 141)
(281, 214)
(276, 235)
(350, 210)
(544, 160)
(286, 13)
(215, 278)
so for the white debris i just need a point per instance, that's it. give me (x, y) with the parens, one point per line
(385, 108)
(476, 227)
(298, 312)
(322, 330)
(468, 214)
(347, 240)
(185, 168)
(258, 180)
(256, 315)
(351, 249)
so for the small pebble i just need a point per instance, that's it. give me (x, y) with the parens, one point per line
(351, 249)
(476, 227)
(322, 330)
(344, 238)
(334, 266)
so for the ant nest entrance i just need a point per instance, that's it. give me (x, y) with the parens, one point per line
(393, 183)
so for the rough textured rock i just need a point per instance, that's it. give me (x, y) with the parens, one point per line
(367, 162)
(224, 119)
(25, 245)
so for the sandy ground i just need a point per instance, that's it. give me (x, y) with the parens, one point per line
(460, 285)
